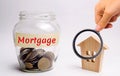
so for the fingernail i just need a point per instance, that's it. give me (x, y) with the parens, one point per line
(98, 28)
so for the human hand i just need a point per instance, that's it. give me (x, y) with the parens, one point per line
(106, 12)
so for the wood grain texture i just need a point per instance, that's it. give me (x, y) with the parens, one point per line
(88, 48)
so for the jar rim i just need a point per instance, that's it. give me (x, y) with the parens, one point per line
(36, 14)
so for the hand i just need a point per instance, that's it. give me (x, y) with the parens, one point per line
(106, 12)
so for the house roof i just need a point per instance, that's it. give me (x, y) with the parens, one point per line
(92, 39)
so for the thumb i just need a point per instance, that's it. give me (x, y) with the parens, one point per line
(103, 22)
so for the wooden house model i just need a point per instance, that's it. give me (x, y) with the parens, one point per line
(89, 47)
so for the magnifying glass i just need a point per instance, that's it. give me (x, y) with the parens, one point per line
(90, 56)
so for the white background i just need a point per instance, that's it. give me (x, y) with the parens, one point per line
(72, 16)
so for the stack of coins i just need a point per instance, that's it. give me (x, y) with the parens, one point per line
(36, 59)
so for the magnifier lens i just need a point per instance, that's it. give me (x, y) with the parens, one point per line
(87, 44)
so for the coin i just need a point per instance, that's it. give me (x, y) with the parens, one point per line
(28, 65)
(36, 54)
(33, 55)
(44, 64)
(49, 55)
(24, 53)
(22, 49)
(27, 56)
(40, 51)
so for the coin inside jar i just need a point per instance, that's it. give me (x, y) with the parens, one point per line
(33, 55)
(37, 58)
(49, 55)
(36, 54)
(24, 53)
(27, 56)
(22, 49)
(44, 64)
(28, 65)
(40, 51)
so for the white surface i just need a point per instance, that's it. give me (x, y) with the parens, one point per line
(72, 16)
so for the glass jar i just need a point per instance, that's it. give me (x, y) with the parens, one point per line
(36, 38)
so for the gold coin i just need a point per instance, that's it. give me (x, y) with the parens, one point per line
(44, 64)
(28, 65)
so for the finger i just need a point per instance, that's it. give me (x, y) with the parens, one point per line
(113, 19)
(97, 18)
(108, 26)
(104, 21)
(98, 13)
